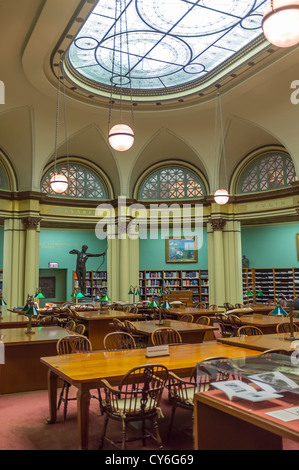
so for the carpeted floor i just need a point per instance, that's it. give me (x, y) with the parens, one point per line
(23, 426)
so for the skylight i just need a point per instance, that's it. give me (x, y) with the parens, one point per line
(170, 43)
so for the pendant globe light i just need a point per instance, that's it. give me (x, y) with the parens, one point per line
(221, 196)
(281, 23)
(120, 135)
(58, 182)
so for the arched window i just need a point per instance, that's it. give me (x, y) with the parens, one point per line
(83, 182)
(271, 170)
(171, 183)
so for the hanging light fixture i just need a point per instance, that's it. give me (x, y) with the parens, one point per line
(120, 135)
(221, 196)
(58, 182)
(281, 23)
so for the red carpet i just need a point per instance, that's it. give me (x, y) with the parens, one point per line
(23, 426)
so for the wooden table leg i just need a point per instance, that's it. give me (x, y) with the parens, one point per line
(83, 400)
(52, 395)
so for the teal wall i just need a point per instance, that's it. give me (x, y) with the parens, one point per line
(60, 284)
(55, 245)
(271, 246)
(152, 256)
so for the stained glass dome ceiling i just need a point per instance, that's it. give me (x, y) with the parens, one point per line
(165, 44)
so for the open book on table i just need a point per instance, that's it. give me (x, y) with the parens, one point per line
(238, 389)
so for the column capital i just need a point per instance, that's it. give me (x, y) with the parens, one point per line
(217, 224)
(31, 223)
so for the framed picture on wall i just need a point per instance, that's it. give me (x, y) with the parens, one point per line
(297, 241)
(181, 250)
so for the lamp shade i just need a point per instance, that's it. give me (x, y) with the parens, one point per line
(32, 312)
(281, 23)
(80, 295)
(2, 302)
(221, 196)
(59, 183)
(105, 299)
(121, 137)
(166, 305)
(39, 296)
(154, 304)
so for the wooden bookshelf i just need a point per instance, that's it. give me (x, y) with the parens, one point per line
(94, 279)
(196, 281)
(271, 282)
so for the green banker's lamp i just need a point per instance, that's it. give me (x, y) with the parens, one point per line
(38, 296)
(166, 305)
(30, 312)
(134, 291)
(105, 299)
(78, 295)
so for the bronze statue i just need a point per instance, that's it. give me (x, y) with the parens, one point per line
(82, 257)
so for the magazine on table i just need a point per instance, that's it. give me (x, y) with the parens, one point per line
(239, 389)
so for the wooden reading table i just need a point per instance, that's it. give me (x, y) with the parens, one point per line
(266, 323)
(262, 342)
(22, 370)
(190, 332)
(85, 371)
(99, 323)
(15, 320)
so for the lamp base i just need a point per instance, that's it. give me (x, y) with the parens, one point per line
(160, 322)
(290, 338)
(29, 332)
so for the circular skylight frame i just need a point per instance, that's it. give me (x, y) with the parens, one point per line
(179, 76)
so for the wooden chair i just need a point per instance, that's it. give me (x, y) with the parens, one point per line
(166, 336)
(235, 323)
(48, 320)
(203, 321)
(201, 305)
(119, 340)
(140, 340)
(188, 318)
(239, 306)
(70, 325)
(225, 325)
(228, 306)
(212, 307)
(285, 328)
(248, 330)
(139, 402)
(79, 328)
(118, 325)
(133, 310)
(73, 314)
(181, 391)
(70, 345)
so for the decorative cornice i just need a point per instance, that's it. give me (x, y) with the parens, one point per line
(31, 223)
(217, 224)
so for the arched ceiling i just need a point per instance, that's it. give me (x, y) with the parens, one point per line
(256, 103)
